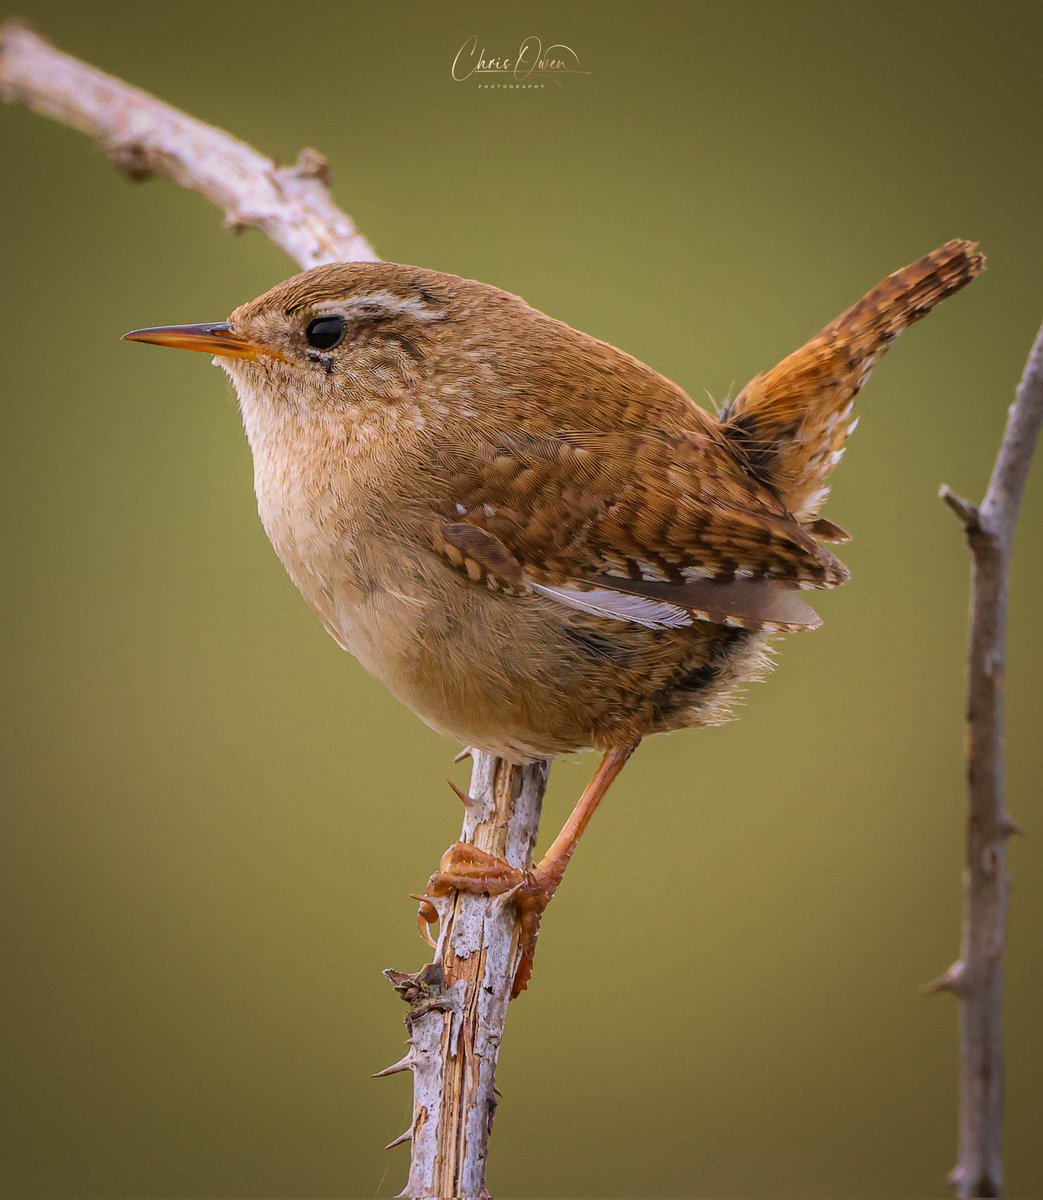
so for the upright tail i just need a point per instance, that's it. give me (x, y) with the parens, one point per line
(791, 423)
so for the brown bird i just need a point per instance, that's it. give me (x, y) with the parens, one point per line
(534, 540)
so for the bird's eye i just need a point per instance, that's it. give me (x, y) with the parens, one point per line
(325, 332)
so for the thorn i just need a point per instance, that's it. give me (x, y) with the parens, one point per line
(401, 1139)
(1010, 827)
(461, 795)
(497, 1092)
(404, 1064)
(466, 752)
(949, 981)
(311, 164)
(968, 513)
(131, 158)
(397, 979)
(240, 220)
(504, 899)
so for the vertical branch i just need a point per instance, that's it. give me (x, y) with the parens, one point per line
(977, 976)
(458, 1005)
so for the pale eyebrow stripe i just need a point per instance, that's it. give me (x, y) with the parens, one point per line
(384, 300)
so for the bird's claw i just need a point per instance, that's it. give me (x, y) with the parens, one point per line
(465, 868)
(426, 917)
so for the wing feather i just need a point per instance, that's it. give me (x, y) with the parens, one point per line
(647, 514)
(620, 606)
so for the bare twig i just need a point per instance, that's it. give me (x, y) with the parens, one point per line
(145, 137)
(977, 976)
(458, 1005)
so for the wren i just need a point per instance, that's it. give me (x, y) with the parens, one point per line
(535, 541)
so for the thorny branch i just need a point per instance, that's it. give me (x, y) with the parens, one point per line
(458, 1007)
(977, 975)
(459, 1003)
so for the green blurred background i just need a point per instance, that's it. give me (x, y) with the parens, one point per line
(213, 816)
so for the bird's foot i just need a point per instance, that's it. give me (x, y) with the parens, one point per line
(465, 868)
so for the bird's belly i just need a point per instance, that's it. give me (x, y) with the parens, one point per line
(462, 658)
(377, 615)
(485, 668)
(525, 677)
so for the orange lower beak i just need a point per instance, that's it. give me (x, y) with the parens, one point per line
(210, 339)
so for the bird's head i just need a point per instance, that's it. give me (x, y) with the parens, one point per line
(333, 337)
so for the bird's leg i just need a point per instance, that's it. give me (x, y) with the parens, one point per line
(551, 868)
(465, 868)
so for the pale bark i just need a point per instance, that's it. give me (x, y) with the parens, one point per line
(977, 975)
(457, 1022)
(145, 137)
(459, 1005)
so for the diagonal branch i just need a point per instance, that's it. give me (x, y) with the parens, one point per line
(977, 976)
(145, 137)
(458, 1004)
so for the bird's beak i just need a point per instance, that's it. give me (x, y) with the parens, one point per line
(210, 339)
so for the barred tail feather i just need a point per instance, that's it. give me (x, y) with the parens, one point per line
(791, 423)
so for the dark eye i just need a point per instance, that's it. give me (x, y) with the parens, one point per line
(325, 332)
